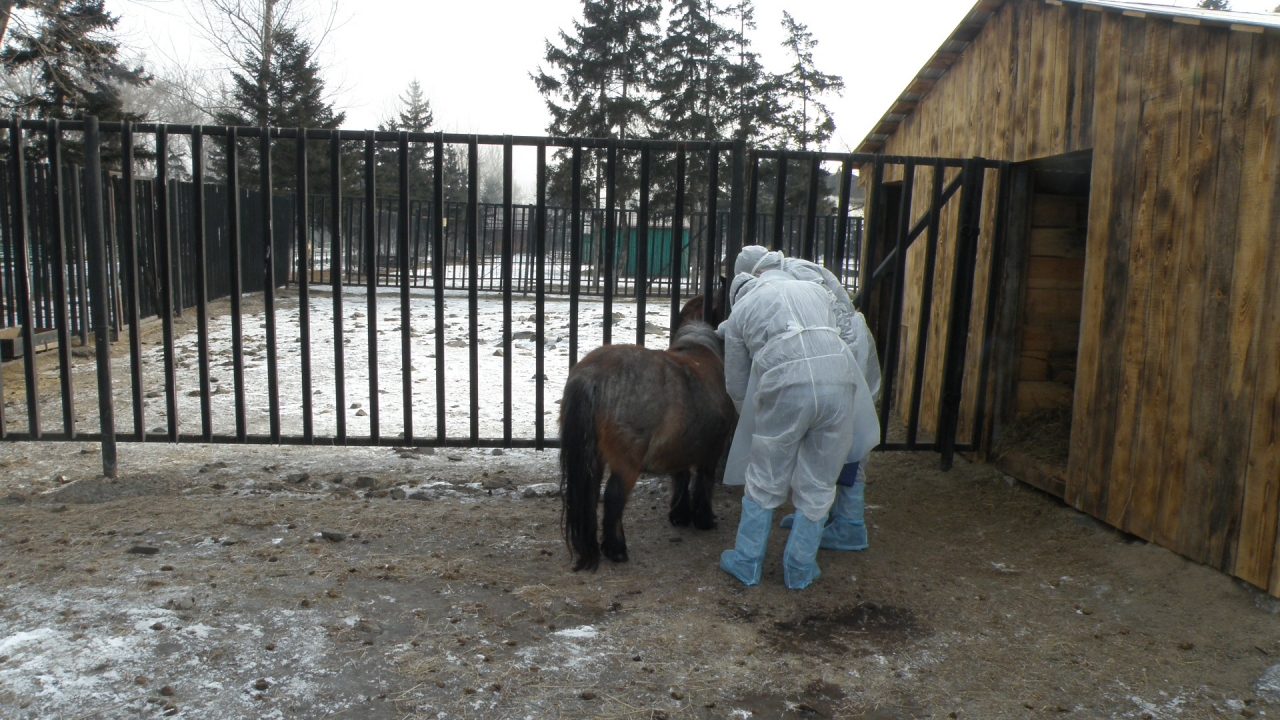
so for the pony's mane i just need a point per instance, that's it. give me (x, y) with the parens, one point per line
(695, 335)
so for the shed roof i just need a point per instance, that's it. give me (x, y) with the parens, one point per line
(967, 31)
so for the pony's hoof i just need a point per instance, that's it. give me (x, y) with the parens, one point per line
(616, 554)
(680, 517)
(705, 523)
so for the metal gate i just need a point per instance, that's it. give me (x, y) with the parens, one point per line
(631, 244)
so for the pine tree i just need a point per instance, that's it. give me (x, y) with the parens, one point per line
(805, 122)
(416, 116)
(74, 68)
(1214, 5)
(755, 92)
(286, 91)
(598, 82)
(710, 86)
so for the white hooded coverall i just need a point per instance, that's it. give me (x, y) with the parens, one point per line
(783, 331)
(853, 330)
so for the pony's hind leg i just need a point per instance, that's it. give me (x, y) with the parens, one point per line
(704, 518)
(616, 492)
(681, 505)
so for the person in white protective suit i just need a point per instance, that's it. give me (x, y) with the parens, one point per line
(846, 528)
(782, 333)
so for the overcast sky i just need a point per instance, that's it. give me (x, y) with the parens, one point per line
(473, 57)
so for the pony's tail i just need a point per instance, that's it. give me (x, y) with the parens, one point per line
(581, 469)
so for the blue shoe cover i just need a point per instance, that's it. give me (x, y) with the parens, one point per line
(799, 566)
(786, 521)
(846, 529)
(746, 560)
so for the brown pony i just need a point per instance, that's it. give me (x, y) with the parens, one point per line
(636, 410)
(692, 309)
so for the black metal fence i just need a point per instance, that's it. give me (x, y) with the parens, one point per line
(558, 252)
(131, 246)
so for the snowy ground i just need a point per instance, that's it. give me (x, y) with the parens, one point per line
(356, 361)
(450, 595)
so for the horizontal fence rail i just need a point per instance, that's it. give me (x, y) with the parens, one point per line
(318, 286)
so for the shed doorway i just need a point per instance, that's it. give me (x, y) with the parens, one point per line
(1054, 211)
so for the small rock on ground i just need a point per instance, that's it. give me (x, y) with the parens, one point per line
(333, 535)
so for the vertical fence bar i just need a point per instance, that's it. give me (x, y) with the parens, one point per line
(641, 259)
(753, 204)
(713, 237)
(406, 320)
(842, 219)
(335, 280)
(437, 274)
(677, 236)
(168, 259)
(303, 241)
(741, 180)
(811, 211)
(371, 276)
(610, 232)
(897, 287)
(575, 248)
(202, 280)
(540, 300)
(175, 247)
(961, 305)
(237, 281)
(926, 301)
(82, 257)
(780, 200)
(473, 302)
(22, 275)
(873, 230)
(62, 317)
(129, 245)
(95, 241)
(507, 219)
(269, 281)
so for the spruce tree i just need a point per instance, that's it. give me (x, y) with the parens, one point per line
(74, 68)
(416, 116)
(710, 84)
(286, 91)
(1214, 5)
(805, 123)
(598, 82)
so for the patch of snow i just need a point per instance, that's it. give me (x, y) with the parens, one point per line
(584, 632)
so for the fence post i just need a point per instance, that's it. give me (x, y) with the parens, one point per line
(22, 277)
(95, 237)
(737, 208)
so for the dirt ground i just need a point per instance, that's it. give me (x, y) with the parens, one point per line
(449, 594)
(979, 598)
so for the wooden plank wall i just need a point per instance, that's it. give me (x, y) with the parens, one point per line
(1016, 121)
(1176, 420)
(1052, 300)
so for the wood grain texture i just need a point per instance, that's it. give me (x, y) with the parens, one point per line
(1152, 109)
(1084, 483)
(1256, 558)
(1202, 528)
(1175, 421)
(1171, 93)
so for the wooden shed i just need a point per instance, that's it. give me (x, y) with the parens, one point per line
(1138, 271)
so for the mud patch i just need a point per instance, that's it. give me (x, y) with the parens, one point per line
(103, 489)
(861, 630)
